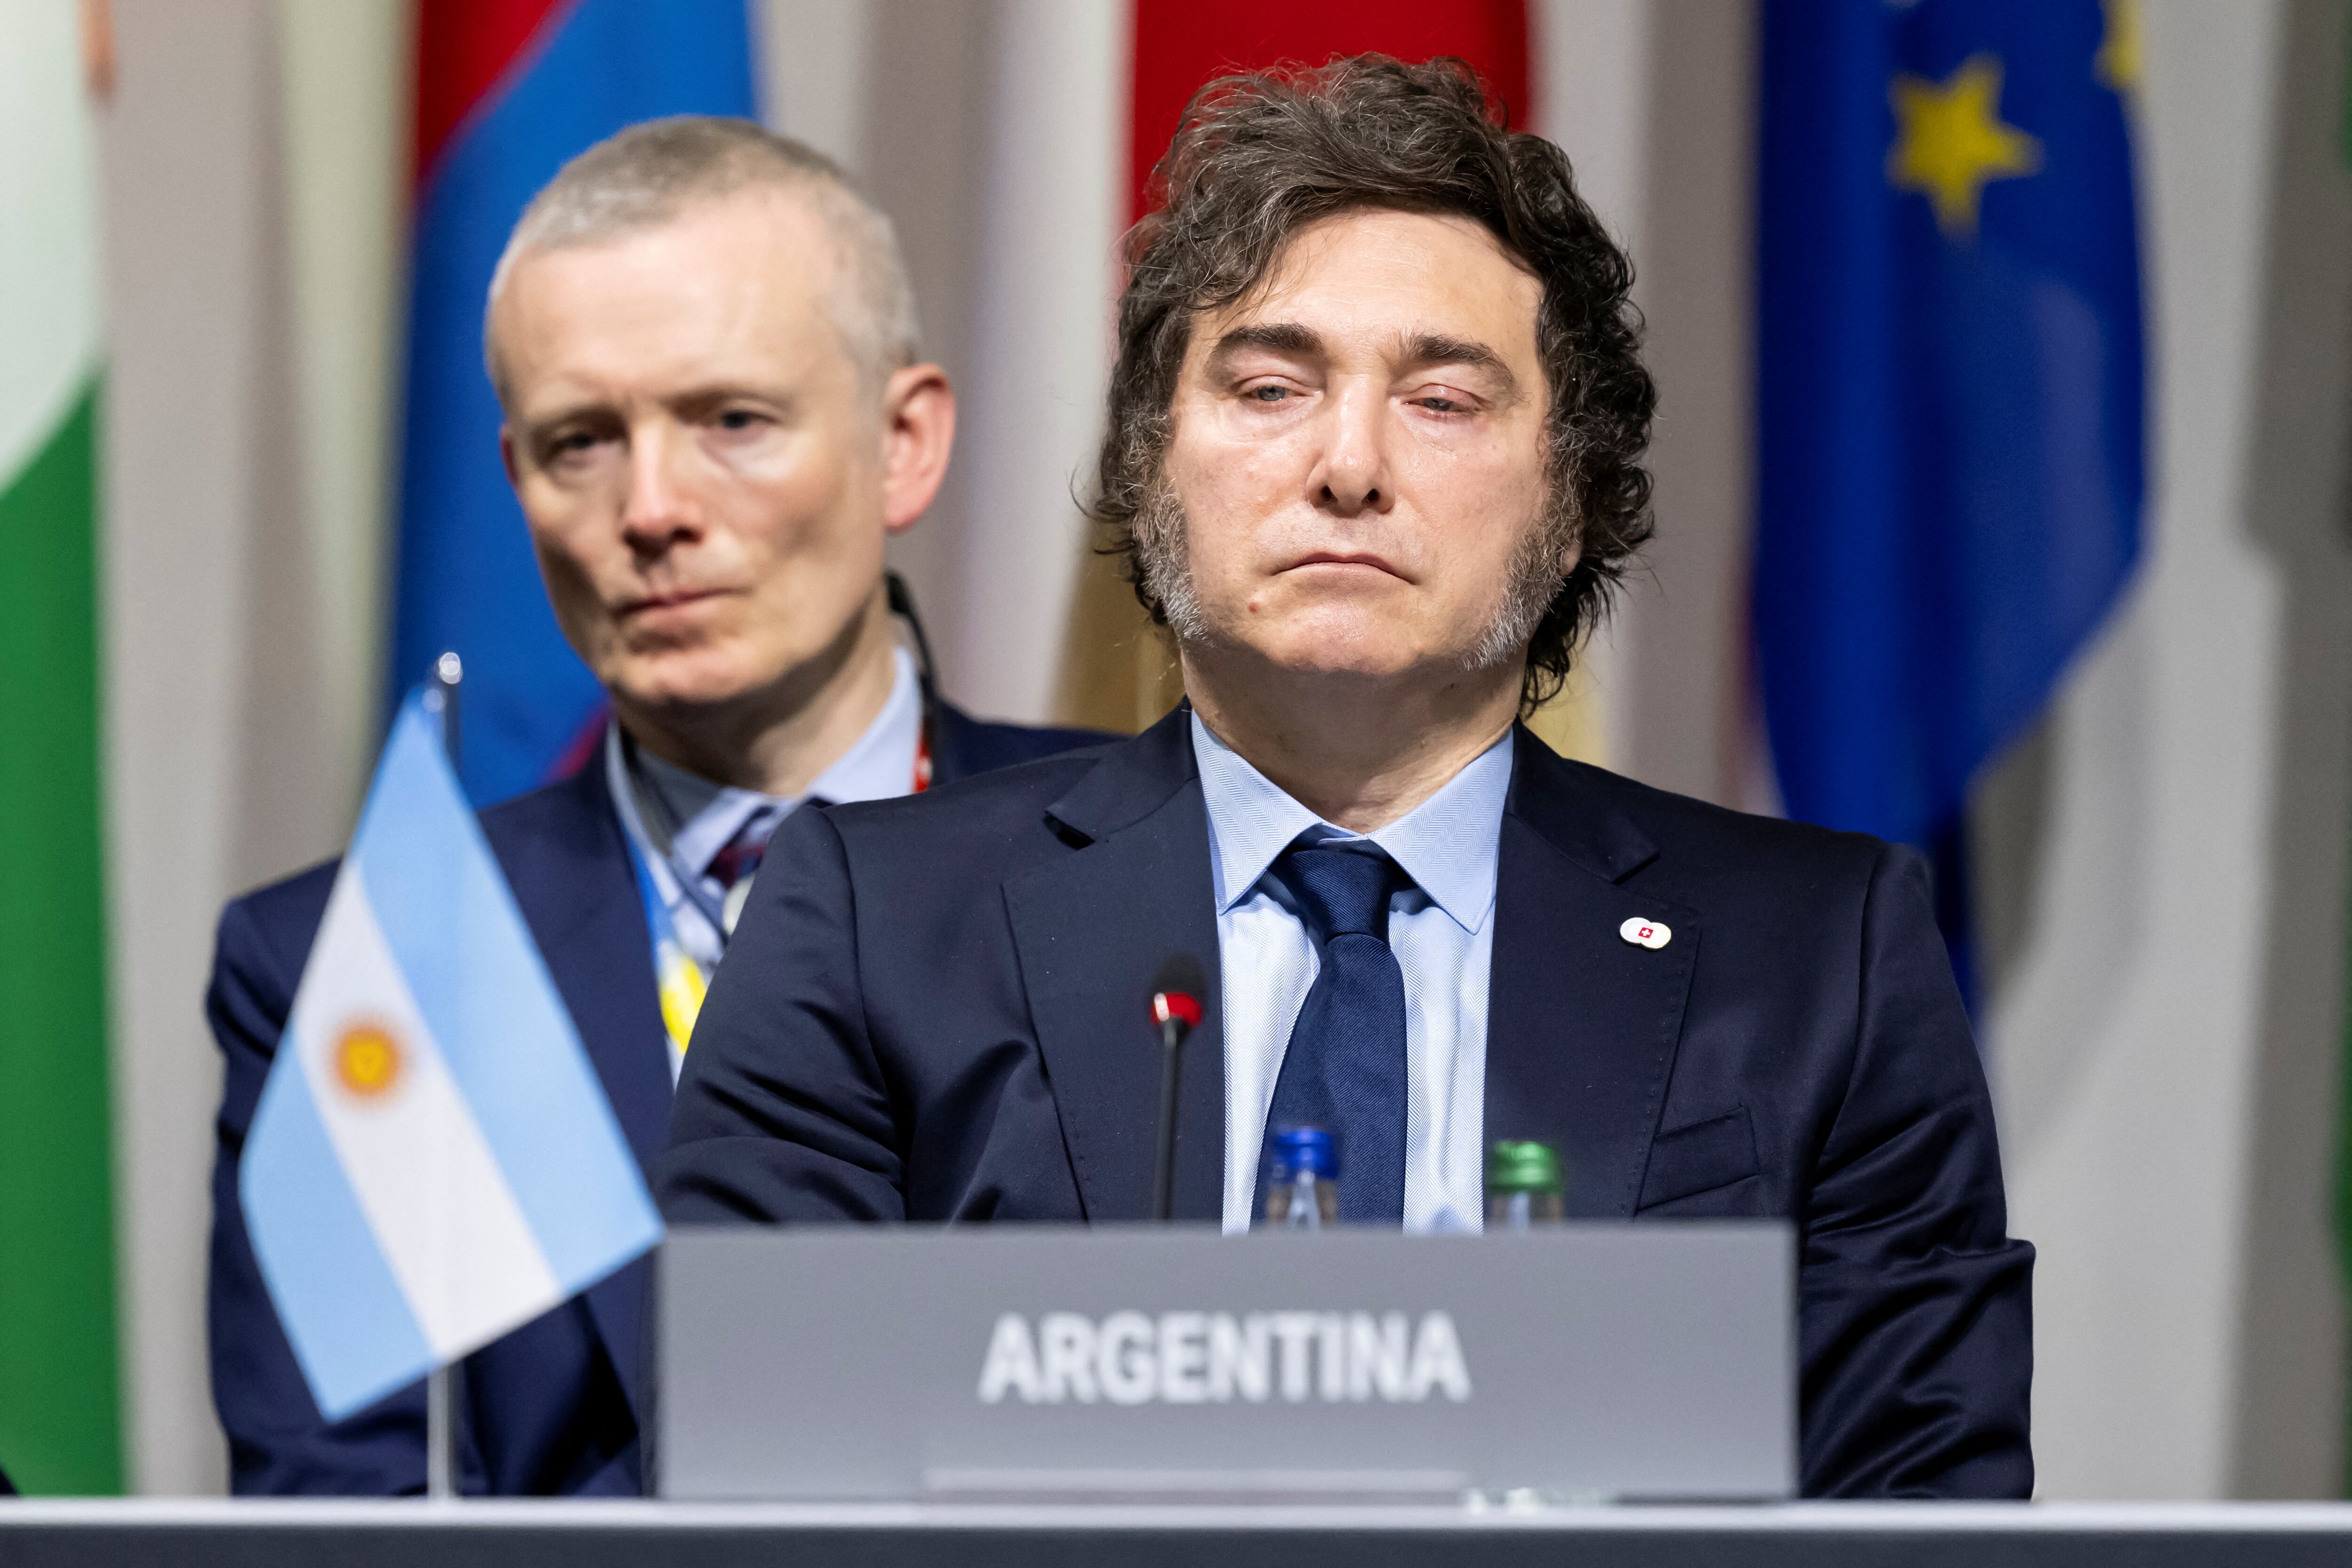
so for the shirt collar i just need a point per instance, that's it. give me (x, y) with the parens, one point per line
(881, 766)
(1447, 844)
(709, 816)
(621, 779)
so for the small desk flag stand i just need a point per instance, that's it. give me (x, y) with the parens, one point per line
(440, 1406)
(434, 1162)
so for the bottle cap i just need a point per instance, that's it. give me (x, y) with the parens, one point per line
(1523, 1165)
(1298, 1149)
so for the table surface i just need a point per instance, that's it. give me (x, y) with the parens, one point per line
(37, 1532)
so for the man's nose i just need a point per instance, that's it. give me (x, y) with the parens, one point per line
(1352, 476)
(657, 510)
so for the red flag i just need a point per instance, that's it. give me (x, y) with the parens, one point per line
(463, 49)
(1181, 45)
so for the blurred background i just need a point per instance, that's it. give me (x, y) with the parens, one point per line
(2144, 850)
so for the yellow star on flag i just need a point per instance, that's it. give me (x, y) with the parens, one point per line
(2116, 64)
(1950, 141)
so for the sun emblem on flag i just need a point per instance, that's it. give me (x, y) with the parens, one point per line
(368, 1059)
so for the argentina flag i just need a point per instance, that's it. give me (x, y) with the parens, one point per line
(433, 1162)
(1949, 393)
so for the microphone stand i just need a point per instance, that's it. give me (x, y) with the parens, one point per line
(1176, 1008)
(1173, 1030)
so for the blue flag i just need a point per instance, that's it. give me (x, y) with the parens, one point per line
(467, 578)
(1950, 391)
(433, 1160)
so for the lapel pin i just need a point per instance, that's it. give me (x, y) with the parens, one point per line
(1651, 934)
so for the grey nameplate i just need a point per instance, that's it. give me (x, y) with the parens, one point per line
(1036, 1362)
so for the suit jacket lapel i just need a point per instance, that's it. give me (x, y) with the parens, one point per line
(1583, 1024)
(1092, 930)
(573, 877)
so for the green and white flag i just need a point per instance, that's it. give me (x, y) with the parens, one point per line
(60, 1407)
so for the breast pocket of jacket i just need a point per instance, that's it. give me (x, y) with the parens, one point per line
(1704, 1168)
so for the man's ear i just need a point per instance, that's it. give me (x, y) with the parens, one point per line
(918, 433)
(1572, 551)
(507, 454)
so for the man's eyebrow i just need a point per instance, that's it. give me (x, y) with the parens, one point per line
(699, 400)
(1423, 349)
(691, 401)
(539, 424)
(1419, 350)
(1274, 337)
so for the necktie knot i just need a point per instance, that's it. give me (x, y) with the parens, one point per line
(739, 858)
(1341, 890)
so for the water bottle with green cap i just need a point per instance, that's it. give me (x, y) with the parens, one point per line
(1525, 1184)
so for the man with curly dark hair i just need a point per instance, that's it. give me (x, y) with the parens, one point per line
(1257, 162)
(1373, 458)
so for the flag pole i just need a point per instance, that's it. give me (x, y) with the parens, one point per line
(440, 1410)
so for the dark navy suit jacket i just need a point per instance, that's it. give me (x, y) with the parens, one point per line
(550, 1408)
(938, 1014)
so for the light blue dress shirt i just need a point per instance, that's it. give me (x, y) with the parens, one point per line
(680, 821)
(1441, 931)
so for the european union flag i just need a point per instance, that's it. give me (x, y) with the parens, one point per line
(1950, 386)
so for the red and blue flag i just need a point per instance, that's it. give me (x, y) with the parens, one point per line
(507, 92)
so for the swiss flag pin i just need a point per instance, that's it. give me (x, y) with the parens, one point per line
(1651, 934)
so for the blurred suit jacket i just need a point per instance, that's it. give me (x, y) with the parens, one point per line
(939, 1014)
(550, 1407)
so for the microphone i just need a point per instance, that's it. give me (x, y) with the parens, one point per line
(1176, 1008)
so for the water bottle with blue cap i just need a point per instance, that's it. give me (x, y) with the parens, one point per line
(1302, 1180)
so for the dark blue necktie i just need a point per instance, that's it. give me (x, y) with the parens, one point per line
(1344, 1069)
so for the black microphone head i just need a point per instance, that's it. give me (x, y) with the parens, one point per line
(1180, 972)
(1176, 993)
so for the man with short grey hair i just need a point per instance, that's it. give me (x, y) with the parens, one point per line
(648, 175)
(715, 411)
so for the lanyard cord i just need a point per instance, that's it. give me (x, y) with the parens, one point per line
(901, 600)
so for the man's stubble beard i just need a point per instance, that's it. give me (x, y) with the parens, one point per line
(1534, 582)
(1167, 569)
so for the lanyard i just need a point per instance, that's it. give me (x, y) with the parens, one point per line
(678, 979)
